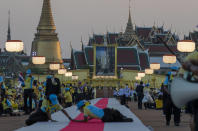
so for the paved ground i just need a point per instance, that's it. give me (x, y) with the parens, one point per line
(155, 119)
(12, 123)
(150, 117)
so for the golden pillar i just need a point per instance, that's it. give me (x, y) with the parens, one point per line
(46, 42)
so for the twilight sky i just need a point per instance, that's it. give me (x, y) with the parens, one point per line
(76, 18)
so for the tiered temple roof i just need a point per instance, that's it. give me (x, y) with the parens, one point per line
(135, 46)
(127, 58)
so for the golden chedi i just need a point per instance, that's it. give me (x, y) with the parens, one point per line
(46, 42)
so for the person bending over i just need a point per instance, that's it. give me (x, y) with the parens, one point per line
(106, 115)
(44, 113)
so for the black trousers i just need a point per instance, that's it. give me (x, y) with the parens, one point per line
(140, 97)
(68, 104)
(39, 115)
(28, 93)
(112, 115)
(146, 105)
(8, 111)
(1, 109)
(170, 109)
(2, 94)
(123, 100)
(135, 97)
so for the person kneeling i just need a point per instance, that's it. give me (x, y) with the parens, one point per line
(44, 113)
(106, 115)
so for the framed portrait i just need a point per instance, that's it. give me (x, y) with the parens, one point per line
(105, 61)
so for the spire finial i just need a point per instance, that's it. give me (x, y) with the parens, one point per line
(70, 44)
(9, 32)
(46, 19)
(129, 28)
(82, 43)
(129, 5)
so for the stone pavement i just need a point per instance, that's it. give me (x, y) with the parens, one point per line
(156, 120)
(12, 123)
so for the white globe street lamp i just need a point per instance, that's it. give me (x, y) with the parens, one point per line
(186, 46)
(68, 74)
(149, 71)
(14, 46)
(74, 77)
(138, 78)
(141, 74)
(169, 59)
(62, 71)
(155, 66)
(38, 60)
(54, 66)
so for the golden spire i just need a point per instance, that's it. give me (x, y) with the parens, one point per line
(46, 19)
(129, 27)
(46, 42)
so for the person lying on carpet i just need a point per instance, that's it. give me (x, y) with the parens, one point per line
(44, 112)
(106, 115)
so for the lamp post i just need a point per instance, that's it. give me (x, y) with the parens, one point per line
(141, 74)
(155, 66)
(62, 72)
(186, 46)
(169, 59)
(14, 46)
(68, 74)
(54, 67)
(74, 77)
(38, 60)
(138, 78)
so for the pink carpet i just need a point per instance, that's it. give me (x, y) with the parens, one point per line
(92, 125)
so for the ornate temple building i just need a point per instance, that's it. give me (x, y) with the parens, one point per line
(137, 47)
(9, 64)
(131, 54)
(46, 42)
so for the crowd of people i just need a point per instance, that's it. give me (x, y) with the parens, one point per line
(52, 94)
(152, 98)
(29, 94)
(141, 93)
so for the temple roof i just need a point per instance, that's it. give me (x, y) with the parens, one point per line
(127, 58)
(160, 49)
(88, 50)
(112, 38)
(98, 39)
(79, 60)
(144, 60)
(143, 32)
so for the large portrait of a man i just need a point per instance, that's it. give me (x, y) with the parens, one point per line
(105, 61)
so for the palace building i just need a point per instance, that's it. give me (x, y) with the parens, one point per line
(137, 47)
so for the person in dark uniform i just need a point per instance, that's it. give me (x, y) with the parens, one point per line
(53, 87)
(163, 97)
(169, 107)
(140, 94)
